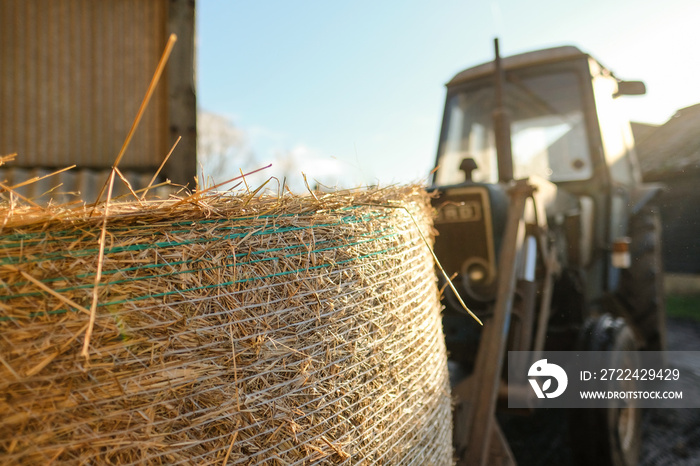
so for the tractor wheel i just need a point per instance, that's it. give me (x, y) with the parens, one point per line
(606, 436)
(641, 285)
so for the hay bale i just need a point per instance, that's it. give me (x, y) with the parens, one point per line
(228, 329)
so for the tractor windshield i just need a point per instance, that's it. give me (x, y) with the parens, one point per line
(547, 129)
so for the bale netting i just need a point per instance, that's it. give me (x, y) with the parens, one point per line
(228, 329)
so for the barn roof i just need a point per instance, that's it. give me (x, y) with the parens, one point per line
(674, 147)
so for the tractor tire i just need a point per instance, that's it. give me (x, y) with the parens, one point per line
(606, 436)
(641, 285)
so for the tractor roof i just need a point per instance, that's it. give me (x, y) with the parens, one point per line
(516, 61)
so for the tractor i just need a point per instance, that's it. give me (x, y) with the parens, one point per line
(547, 234)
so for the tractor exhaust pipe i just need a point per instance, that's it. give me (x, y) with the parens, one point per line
(501, 123)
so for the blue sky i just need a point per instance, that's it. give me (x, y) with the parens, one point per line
(352, 91)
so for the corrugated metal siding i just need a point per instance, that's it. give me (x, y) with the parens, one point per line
(72, 76)
(72, 185)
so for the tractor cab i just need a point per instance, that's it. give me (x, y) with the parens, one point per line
(568, 135)
(552, 97)
(548, 125)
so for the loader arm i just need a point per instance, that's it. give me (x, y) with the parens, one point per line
(478, 438)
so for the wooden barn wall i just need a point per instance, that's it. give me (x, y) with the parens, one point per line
(72, 76)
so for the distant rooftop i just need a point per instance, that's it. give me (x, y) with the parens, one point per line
(673, 147)
(642, 130)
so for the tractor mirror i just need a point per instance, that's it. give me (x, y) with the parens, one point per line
(630, 88)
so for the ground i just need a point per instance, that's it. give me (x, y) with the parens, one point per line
(672, 436)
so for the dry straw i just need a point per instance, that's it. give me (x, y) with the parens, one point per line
(228, 329)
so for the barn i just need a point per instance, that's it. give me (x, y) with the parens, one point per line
(73, 74)
(670, 154)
